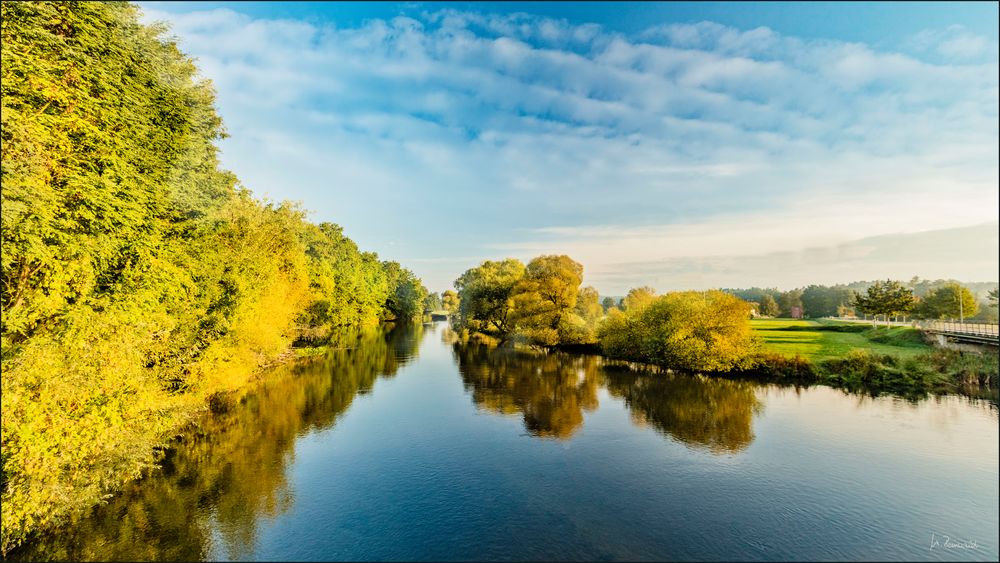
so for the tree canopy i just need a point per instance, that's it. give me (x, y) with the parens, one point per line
(885, 298)
(952, 301)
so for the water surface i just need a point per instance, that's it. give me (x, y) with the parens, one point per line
(404, 445)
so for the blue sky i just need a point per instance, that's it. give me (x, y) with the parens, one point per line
(678, 145)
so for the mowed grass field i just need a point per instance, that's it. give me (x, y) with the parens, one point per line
(823, 339)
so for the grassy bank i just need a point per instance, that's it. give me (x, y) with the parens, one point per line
(862, 358)
(824, 340)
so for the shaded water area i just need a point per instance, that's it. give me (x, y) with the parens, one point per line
(403, 444)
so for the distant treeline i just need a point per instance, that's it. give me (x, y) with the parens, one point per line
(138, 278)
(933, 299)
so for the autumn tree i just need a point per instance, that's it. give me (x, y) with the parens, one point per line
(638, 298)
(139, 278)
(691, 330)
(545, 299)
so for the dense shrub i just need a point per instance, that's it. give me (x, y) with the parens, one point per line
(689, 330)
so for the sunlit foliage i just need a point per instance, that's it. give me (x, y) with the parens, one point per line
(545, 301)
(432, 302)
(138, 278)
(690, 330)
(768, 306)
(485, 295)
(638, 298)
(450, 302)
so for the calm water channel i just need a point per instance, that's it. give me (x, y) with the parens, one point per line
(403, 445)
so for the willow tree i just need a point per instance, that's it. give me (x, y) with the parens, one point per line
(485, 295)
(546, 297)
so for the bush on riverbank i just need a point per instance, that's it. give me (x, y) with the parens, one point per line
(687, 330)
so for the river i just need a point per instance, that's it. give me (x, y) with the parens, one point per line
(402, 444)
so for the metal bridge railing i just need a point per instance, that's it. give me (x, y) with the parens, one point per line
(952, 326)
(959, 327)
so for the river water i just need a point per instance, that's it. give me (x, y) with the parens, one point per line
(405, 445)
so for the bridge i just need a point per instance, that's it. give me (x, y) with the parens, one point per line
(979, 333)
(963, 331)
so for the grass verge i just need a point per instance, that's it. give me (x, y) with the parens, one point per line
(861, 358)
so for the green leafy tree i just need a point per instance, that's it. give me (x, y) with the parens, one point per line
(450, 302)
(950, 301)
(406, 293)
(824, 301)
(788, 301)
(432, 302)
(139, 279)
(607, 303)
(886, 298)
(768, 306)
(485, 295)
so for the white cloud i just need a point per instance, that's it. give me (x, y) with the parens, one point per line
(463, 134)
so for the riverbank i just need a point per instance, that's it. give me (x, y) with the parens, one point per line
(856, 357)
(862, 358)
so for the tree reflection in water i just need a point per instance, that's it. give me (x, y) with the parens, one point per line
(701, 412)
(229, 469)
(552, 391)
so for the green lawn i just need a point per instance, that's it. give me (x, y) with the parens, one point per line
(819, 340)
